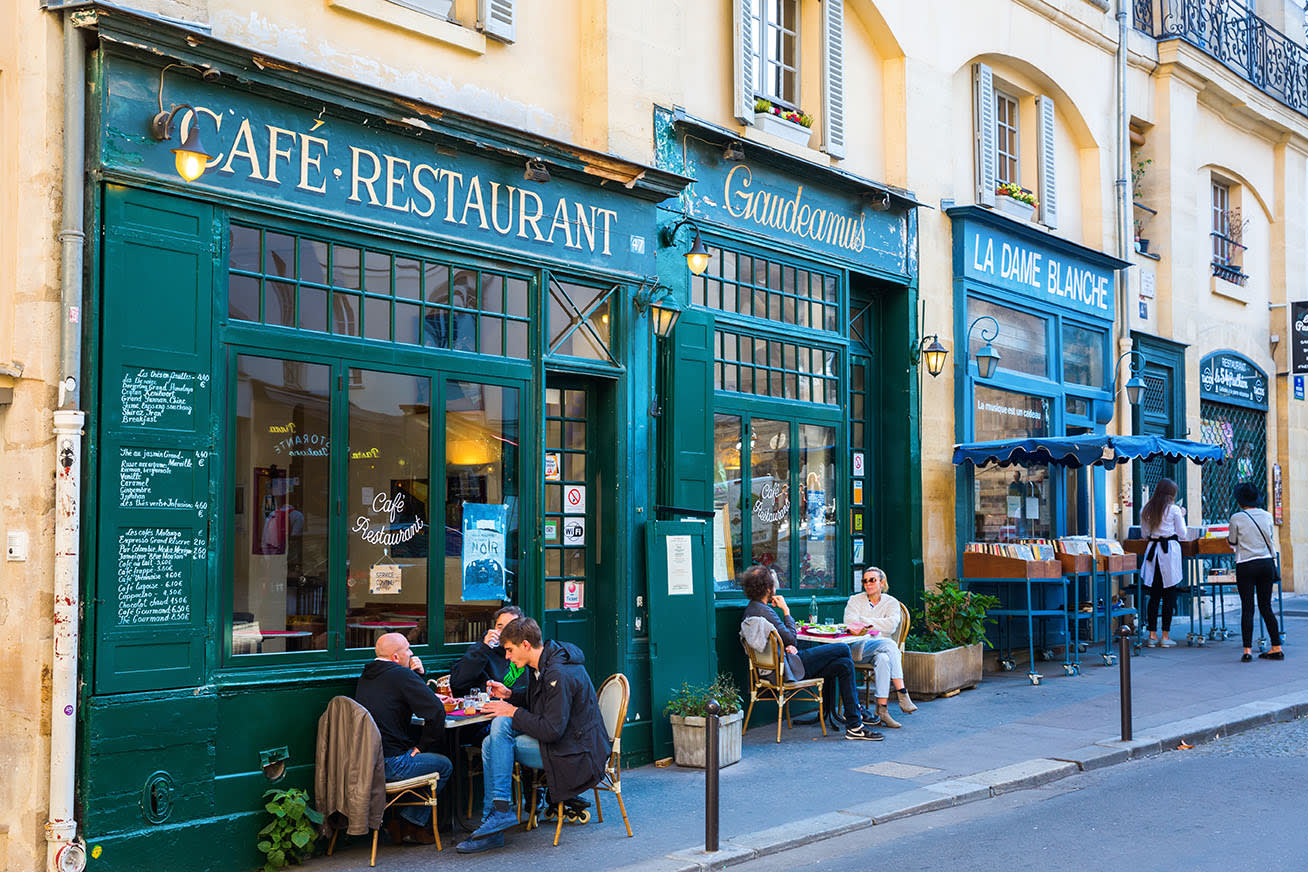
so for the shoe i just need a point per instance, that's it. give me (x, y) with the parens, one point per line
(1166, 643)
(403, 832)
(1272, 655)
(871, 718)
(1151, 642)
(476, 846)
(495, 822)
(863, 734)
(883, 714)
(905, 704)
(1246, 658)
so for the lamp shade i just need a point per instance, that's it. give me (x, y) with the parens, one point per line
(1133, 388)
(697, 258)
(934, 355)
(986, 360)
(191, 157)
(663, 319)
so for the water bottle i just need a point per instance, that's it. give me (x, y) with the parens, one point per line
(812, 610)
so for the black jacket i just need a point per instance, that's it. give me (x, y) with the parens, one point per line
(393, 694)
(563, 714)
(480, 664)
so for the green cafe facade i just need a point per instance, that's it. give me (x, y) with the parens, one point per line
(363, 375)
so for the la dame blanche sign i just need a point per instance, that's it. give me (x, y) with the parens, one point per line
(271, 151)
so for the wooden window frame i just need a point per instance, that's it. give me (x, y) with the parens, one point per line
(1008, 125)
(768, 16)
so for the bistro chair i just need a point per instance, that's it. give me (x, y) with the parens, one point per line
(767, 681)
(867, 670)
(614, 694)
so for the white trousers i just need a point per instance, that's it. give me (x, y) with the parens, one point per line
(887, 661)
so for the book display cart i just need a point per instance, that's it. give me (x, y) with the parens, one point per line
(1034, 591)
(1095, 583)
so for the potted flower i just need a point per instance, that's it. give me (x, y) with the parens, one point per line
(1015, 200)
(945, 654)
(688, 710)
(791, 125)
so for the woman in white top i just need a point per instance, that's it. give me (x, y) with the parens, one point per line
(878, 610)
(1163, 524)
(1255, 568)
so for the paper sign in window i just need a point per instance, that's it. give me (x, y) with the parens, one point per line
(680, 571)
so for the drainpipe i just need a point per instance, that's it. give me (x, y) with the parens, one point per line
(64, 852)
(1124, 215)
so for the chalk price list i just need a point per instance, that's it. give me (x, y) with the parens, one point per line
(153, 574)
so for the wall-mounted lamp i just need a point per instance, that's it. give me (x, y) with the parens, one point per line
(933, 353)
(698, 257)
(191, 157)
(878, 200)
(536, 171)
(663, 309)
(1134, 385)
(987, 358)
(733, 151)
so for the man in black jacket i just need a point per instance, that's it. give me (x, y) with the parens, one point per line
(555, 725)
(392, 690)
(485, 661)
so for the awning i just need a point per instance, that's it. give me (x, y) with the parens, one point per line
(1078, 451)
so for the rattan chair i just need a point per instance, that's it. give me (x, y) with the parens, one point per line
(767, 682)
(866, 671)
(614, 694)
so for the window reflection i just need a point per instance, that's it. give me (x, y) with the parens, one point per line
(818, 513)
(770, 496)
(280, 504)
(1022, 343)
(1011, 503)
(726, 501)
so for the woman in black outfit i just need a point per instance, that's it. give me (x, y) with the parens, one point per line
(1251, 534)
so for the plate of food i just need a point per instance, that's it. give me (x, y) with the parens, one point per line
(825, 629)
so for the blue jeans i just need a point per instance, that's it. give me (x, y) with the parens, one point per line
(501, 747)
(403, 766)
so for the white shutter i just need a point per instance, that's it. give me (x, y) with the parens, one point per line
(1047, 193)
(833, 77)
(983, 123)
(742, 32)
(495, 18)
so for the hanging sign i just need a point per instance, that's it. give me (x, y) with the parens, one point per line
(574, 595)
(384, 578)
(681, 576)
(553, 468)
(485, 527)
(1226, 377)
(574, 499)
(574, 531)
(1299, 337)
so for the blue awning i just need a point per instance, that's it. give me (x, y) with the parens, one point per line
(1077, 451)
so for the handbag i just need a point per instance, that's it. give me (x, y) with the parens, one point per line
(1271, 552)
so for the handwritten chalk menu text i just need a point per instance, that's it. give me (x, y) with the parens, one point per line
(161, 398)
(158, 478)
(154, 571)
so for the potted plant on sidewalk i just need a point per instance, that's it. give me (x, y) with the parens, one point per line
(944, 655)
(688, 710)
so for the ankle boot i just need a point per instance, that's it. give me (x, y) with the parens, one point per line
(905, 704)
(886, 720)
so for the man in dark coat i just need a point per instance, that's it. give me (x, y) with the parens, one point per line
(555, 725)
(485, 661)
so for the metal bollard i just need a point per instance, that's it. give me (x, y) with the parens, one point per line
(711, 776)
(1124, 635)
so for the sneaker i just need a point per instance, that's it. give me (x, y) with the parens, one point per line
(495, 822)
(863, 734)
(473, 845)
(1166, 643)
(1151, 642)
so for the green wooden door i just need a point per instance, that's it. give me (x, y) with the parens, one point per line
(154, 538)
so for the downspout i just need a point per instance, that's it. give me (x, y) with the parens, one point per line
(1124, 215)
(64, 852)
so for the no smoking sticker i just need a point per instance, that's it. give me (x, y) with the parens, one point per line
(574, 499)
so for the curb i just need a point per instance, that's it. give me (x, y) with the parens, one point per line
(979, 786)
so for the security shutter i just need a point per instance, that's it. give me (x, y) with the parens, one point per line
(743, 57)
(833, 78)
(983, 122)
(1047, 194)
(495, 18)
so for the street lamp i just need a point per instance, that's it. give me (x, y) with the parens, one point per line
(1134, 385)
(662, 308)
(986, 358)
(697, 259)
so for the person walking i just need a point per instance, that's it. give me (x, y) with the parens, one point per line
(1255, 569)
(1163, 524)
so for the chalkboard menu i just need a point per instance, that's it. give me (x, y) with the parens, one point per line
(159, 398)
(1225, 377)
(158, 478)
(154, 570)
(1299, 337)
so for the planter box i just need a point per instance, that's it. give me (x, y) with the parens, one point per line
(688, 740)
(930, 675)
(1019, 210)
(787, 130)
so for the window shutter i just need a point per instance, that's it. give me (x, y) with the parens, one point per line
(743, 55)
(687, 428)
(1047, 194)
(983, 122)
(833, 78)
(495, 18)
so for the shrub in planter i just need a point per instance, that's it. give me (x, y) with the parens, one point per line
(688, 711)
(945, 654)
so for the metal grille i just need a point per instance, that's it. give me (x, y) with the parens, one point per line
(1144, 15)
(1242, 434)
(1154, 400)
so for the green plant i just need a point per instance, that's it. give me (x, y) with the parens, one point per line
(950, 617)
(691, 700)
(803, 119)
(1017, 192)
(1138, 174)
(288, 838)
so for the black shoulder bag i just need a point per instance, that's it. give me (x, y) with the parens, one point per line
(1271, 552)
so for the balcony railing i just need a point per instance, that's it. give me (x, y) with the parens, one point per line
(1245, 43)
(1228, 259)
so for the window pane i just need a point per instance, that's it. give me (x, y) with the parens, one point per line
(436, 283)
(313, 261)
(463, 289)
(387, 500)
(313, 309)
(244, 251)
(345, 267)
(279, 255)
(345, 314)
(769, 487)
(1022, 342)
(726, 501)
(243, 297)
(492, 292)
(817, 527)
(408, 278)
(516, 295)
(515, 341)
(377, 316)
(279, 304)
(281, 506)
(377, 272)
(1083, 355)
(481, 438)
(408, 323)
(1011, 504)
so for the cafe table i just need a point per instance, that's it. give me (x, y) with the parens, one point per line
(455, 723)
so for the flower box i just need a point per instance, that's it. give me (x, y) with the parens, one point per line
(931, 674)
(1016, 208)
(688, 740)
(778, 126)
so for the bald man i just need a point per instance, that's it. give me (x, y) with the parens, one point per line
(393, 691)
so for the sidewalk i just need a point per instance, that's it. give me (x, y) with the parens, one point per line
(1005, 735)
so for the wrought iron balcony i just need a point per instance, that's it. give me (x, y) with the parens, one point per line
(1228, 259)
(1228, 31)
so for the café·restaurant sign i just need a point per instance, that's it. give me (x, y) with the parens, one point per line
(1227, 377)
(272, 151)
(1043, 273)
